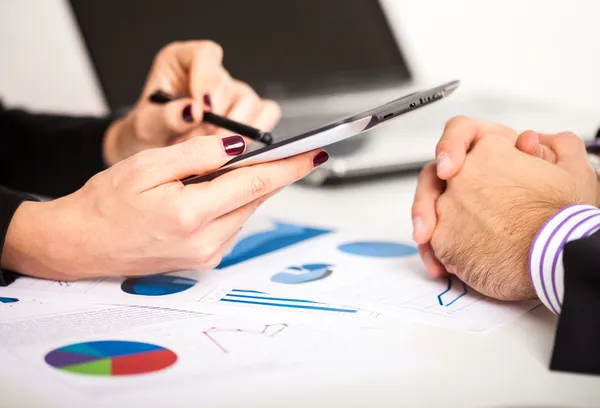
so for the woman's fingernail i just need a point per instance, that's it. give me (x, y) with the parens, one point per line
(417, 227)
(207, 101)
(187, 114)
(234, 145)
(320, 158)
(444, 163)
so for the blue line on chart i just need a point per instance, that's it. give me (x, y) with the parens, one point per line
(247, 291)
(265, 299)
(326, 309)
(439, 297)
(271, 298)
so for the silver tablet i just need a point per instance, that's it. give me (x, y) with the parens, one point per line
(332, 133)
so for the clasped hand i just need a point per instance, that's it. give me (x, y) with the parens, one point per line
(478, 207)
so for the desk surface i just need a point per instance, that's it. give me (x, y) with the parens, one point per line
(506, 367)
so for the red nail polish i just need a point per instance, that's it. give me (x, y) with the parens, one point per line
(207, 101)
(187, 114)
(234, 145)
(320, 158)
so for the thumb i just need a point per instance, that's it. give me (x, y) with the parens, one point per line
(530, 142)
(196, 156)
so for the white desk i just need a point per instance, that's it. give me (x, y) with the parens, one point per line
(506, 367)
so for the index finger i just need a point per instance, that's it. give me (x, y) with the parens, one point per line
(204, 69)
(460, 133)
(241, 186)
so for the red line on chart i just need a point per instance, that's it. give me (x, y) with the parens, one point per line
(270, 330)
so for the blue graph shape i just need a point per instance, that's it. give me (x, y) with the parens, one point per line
(378, 249)
(303, 274)
(464, 292)
(262, 243)
(264, 299)
(157, 285)
(8, 300)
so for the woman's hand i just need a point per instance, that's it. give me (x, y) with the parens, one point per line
(138, 218)
(191, 68)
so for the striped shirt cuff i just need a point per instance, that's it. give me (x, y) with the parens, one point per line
(545, 257)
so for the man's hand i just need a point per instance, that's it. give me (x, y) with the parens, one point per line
(491, 210)
(191, 68)
(459, 136)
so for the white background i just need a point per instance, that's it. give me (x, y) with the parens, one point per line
(548, 48)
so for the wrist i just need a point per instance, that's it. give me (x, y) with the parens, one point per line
(35, 244)
(546, 270)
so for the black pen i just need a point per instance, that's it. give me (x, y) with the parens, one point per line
(220, 121)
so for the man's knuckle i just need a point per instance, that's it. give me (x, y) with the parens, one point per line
(570, 137)
(426, 173)
(458, 120)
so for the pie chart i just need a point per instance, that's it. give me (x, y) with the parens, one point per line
(111, 358)
(378, 249)
(157, 285)
(303, 274)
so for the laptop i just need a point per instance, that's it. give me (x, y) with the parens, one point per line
(322, 60)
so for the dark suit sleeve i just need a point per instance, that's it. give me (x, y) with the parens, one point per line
(43, 154)
(9, 202)
(50, 155)
(577, 344)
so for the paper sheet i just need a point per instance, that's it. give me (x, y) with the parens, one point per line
(128, 356)
(303, 273)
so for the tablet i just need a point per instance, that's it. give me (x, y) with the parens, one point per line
(333, 132)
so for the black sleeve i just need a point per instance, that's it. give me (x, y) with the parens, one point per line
(50, 155)
(9, 202)
(577, 344)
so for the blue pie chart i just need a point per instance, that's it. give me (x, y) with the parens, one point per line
(302, 274)
(378, 249)
(157, 285)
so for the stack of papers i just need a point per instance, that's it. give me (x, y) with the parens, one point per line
(289, 305)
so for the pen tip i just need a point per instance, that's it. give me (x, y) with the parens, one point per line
(266, 138)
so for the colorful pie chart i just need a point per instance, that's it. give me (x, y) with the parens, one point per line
(157, 285)
(111, 358)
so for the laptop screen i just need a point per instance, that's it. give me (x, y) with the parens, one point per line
(282, 48)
